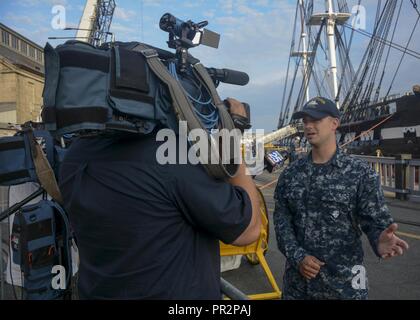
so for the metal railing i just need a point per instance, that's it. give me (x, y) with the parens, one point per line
(414, 177)
(400, 175)
(385, 167)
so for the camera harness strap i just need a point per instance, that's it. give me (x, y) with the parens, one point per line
(184, 109)
(43, 169)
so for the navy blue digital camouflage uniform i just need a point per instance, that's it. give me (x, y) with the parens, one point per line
(320, 211)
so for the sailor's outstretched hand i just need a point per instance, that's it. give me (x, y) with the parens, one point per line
(389, 245)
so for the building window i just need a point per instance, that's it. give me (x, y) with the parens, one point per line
(39, 55)
(15, 44)
(5, 37)
(24, 47)
(32, 52)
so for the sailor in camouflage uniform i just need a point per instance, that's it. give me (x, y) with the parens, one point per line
(323, 203)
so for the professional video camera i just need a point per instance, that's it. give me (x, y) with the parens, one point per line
(186, 35)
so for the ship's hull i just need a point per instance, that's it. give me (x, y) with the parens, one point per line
(398, 134)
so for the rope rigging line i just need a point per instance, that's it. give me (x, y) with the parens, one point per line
(347, 60)
(367, 131)
(395, 46)
(379, 50)
(378, 89)
(359, 87)
(362, 72)
(403, 55)
(414, 3)
(283, 107)
(317, 81)
(310, 68)
(286, 115)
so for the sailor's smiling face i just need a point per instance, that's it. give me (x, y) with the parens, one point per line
(320, 131)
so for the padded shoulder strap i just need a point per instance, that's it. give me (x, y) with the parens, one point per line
(228, 148)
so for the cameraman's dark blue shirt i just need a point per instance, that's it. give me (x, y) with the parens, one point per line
(145, 230)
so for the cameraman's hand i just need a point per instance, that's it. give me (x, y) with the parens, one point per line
(236, 107)
(310, 266)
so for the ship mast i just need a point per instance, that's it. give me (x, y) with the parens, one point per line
(305, 67)
(304, 53)
(331, 48)
(332, 19)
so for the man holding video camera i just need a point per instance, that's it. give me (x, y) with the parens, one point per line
(151, 231)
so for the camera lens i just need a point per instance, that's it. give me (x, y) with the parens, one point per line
(167, 22)
(175, 26)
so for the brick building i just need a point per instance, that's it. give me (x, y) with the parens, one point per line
(21, 78)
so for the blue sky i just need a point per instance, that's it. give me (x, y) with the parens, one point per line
(255, 38)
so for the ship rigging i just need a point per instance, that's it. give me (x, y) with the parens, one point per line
(369, 123)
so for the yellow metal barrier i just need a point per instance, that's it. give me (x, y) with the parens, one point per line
(255, 254)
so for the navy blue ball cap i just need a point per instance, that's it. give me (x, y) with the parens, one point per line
(318, 108)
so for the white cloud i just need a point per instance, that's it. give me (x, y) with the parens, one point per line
(32, 3)
(124, 14)
(192, 4)
(226, 6)
(209, 13)
(120, 28)
(243, 9)
(274, 77)
(22, 21)
(152, 3)
(262, 3)
(228, 21)
(72, 25)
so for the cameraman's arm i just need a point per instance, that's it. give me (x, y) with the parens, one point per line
(253, 230)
